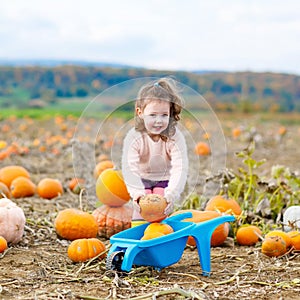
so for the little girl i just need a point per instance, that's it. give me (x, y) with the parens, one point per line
(154, 156)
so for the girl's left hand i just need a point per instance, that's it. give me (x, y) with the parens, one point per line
(169, 208)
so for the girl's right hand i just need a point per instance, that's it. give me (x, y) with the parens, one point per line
(136, 206)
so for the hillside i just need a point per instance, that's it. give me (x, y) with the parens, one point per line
(225, 91)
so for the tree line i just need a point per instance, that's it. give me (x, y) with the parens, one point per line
(225, 91)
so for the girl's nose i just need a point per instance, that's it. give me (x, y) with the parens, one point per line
(159, 119)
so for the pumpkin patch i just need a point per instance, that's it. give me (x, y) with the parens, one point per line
(39, 266)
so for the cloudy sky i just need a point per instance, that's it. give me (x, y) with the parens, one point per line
(230, 35)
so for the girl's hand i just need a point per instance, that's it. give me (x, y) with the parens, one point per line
(135, 204)
(169, 208)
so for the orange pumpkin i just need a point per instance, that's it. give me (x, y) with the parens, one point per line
(202, 148)
(101, 166)
(4, 191)
(248, 235)
(72, 224)
(76, 185)
(273, 246)
(4, 154)
(3, 144)
(49, 188)
(160, 227)
(153, 207)
(152, 235)
(84, 249)
(295, 239)
(9, 173)
(228, 206)
(283, 235)
(219, 235)
(112, 220)
(22, 187)
(3, 244)
(154, 230)
(111, 188)
(236, 132)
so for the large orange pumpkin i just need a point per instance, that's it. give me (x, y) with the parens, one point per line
(9, 173)
(219, 235)
(221, 204)
(84, 249)
(111, 188)
(112, 220)
(72, 224)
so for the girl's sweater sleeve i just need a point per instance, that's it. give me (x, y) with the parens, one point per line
(179, 168)
(130, 165)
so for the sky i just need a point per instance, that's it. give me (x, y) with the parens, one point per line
(228, 35)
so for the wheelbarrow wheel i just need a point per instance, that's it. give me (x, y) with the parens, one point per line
(114, 261)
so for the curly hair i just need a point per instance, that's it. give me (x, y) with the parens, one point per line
(164, 89)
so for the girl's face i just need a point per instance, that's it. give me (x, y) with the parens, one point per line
(156, 116)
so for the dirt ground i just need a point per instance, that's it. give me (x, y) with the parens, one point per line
(38, 266)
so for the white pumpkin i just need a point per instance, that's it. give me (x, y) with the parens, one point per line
(12, 221)
(291, 216)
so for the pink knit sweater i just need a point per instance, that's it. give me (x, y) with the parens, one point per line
(144, 158)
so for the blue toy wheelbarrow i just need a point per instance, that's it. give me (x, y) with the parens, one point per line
(128, 249)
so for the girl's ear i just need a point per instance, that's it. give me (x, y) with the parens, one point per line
(139, 112)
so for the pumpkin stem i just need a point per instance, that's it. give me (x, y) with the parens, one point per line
(80, 198)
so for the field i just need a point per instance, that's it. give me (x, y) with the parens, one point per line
(38, 267)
